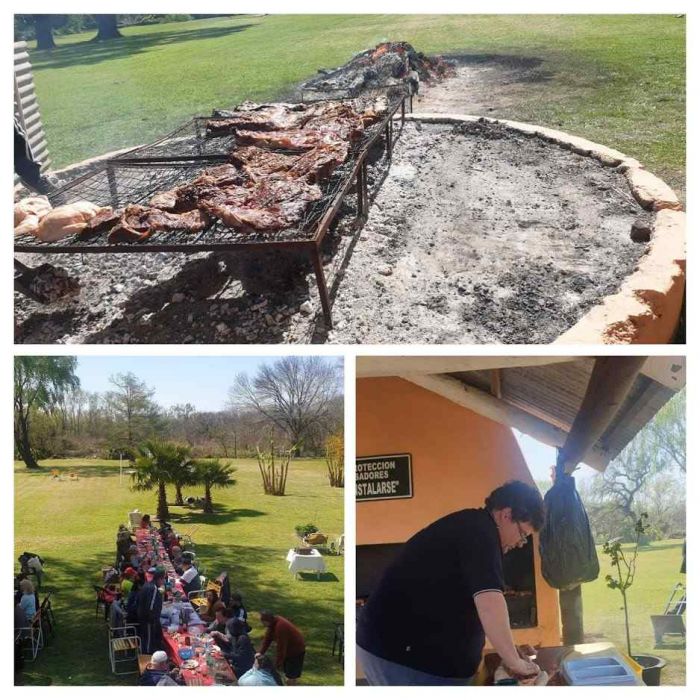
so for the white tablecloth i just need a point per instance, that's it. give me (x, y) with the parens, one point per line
(306, 562)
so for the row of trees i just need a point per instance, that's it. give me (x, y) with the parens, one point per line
(294, 401)
(648, 476)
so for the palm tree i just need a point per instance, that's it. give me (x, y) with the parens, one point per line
(182, 474)
(158, 464)
(212, 474)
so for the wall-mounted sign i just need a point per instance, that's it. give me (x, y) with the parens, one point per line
(383, 477)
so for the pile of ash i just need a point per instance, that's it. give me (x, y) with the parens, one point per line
(390, 63)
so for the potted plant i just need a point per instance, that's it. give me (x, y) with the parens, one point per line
(626, 566)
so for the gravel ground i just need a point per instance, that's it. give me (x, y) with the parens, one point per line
(481, 235)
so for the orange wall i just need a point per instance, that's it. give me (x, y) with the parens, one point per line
(458, 458)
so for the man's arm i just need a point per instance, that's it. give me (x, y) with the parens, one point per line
(493, 613)
(266, 641)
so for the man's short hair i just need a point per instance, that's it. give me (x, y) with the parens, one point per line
(524, 501)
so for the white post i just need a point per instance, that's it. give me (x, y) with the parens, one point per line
(120, 469)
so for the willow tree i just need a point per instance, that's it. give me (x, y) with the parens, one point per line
(40, 384)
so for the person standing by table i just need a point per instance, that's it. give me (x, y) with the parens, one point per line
(456, 564)
(150, 603)
(289, 644)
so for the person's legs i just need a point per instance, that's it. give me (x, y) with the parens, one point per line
(292, 669)
(379, 671)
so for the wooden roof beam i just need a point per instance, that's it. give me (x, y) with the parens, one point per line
(399, 365)
(610, 382)
(502, 412)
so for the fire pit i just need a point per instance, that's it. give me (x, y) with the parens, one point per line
(501, 232)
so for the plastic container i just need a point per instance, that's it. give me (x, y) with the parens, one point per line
(598, 670)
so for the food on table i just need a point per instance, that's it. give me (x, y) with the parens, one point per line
(503, 673)
(66, 220)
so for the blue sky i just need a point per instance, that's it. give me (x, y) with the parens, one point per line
(540, 457)
(202, 381)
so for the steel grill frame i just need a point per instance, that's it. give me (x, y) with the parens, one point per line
(132, 169)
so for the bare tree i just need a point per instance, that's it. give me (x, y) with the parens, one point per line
(294, 393)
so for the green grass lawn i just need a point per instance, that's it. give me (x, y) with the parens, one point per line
(657, 572)
(618, 80)
(73, 525)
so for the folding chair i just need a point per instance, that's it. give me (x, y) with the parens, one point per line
(671, 622)
(34, 634)
(198, 598)
(48, 620)
(124, 642)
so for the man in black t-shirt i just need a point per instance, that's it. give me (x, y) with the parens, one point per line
(427, 619)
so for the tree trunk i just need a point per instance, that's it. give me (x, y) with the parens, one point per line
(43, 32)
(163, 512)
(24, 446)
(106, 27)
(208, 506)
(179, 500)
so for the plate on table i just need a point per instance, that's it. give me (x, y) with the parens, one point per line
(185, 653)
(190, 664)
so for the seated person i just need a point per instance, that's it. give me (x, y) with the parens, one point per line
(134, 559)
(145, 522)
(236, 646)
(239, 612)
(206, 612)
(127, 581)
(190, 578)
(28, 600)
(158, 669)
(220, 619)
(176, 558)
(263, 672)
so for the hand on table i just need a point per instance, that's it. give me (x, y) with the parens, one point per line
(524, 668)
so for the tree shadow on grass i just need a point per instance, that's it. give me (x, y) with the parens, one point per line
(80, 471)
(217, 518)
(89, 52)
(671, 646)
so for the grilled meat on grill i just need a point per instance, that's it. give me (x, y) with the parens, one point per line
(101, 222)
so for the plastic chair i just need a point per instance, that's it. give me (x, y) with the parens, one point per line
(34, 634)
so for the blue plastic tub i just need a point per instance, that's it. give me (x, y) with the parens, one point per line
(598, 670)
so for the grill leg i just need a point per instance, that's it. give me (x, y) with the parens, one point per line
(365, 193)
(360, 192)
(322, 288)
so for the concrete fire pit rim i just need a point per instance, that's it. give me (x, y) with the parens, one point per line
(647, 307)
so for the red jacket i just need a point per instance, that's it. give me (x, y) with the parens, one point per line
(288, 639)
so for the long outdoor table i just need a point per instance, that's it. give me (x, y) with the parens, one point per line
(149, 542)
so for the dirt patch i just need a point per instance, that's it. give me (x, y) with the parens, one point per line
(480, 234)
(483, 85)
